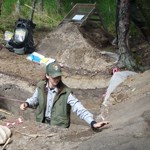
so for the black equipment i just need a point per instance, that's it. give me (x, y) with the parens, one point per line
(22, 41)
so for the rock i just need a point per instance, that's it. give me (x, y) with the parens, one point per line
(5, 133)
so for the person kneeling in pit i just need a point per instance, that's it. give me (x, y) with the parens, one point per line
(54, 101)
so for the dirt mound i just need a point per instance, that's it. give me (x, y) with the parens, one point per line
(77, 49)
(68, 45)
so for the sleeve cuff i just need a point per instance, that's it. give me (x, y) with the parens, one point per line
(92, 123)
(27, 104)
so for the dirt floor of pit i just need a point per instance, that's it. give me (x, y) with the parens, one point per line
(87, 72)
(128, 112)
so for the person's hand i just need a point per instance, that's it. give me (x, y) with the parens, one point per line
(24, 106)
(100, 124)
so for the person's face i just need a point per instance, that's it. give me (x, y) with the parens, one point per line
(53, 81)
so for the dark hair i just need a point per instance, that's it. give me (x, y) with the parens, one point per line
(60, 85)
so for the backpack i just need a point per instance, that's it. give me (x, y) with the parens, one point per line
(22, 41)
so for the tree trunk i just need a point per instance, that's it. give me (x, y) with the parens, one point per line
(33, 9)
(1, 1)
(40, 5)
(17, 7)
(126, 58)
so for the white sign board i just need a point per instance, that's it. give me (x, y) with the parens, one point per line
(78, 17)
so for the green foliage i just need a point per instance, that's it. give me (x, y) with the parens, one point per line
(107, 9)
(8, 6)
(54, 12)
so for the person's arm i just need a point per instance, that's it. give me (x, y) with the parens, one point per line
(79, 109)
(30, 102)
(83, 113)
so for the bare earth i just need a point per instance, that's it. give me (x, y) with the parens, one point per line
(87, 70)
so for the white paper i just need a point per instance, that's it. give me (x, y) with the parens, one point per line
(36, 57)
(77, 17)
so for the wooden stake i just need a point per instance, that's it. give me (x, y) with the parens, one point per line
(6, 143)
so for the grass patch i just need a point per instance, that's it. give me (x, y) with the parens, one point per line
(53, 13)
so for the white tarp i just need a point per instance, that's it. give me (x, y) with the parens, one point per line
(116, 79)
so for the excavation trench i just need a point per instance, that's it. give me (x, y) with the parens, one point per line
(14, 91)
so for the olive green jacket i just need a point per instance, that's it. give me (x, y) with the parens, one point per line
(60, 113)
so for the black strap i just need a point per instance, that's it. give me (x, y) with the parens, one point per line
(92, 124)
